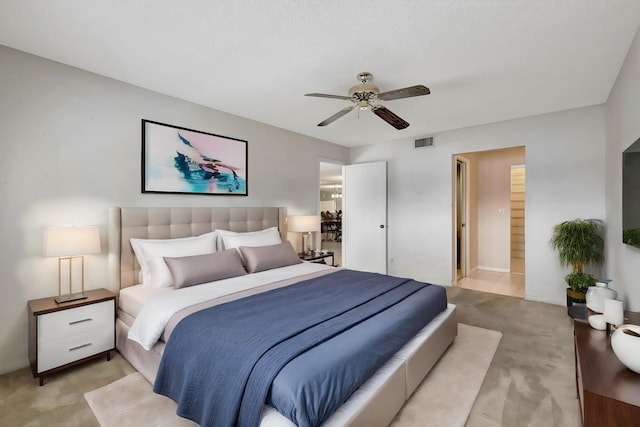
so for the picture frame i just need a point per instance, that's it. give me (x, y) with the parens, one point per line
(180, 160)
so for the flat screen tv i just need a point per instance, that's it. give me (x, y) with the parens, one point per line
(631, 195)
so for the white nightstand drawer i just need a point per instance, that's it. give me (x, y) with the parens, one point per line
(54, 353)
(75, 321)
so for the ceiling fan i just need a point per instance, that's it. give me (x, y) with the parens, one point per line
(366, 95)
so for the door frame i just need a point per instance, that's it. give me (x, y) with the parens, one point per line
(460, 203)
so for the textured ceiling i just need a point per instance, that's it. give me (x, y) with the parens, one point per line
(484, 60)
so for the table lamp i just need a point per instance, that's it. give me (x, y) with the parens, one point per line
(68, 243)
(305, 224)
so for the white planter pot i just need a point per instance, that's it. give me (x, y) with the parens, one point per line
(627, 347)
(596, 295)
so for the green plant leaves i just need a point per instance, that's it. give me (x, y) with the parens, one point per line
(579, 243)
(580, 282)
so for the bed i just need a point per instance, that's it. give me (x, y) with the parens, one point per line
(374, 403)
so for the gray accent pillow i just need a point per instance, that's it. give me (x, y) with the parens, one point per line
(196, 269)
(262, 258)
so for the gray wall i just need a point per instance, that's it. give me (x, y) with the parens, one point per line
(622, 129)
(565, 179)
(71, 144)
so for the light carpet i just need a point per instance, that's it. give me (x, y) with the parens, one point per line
(445, 398)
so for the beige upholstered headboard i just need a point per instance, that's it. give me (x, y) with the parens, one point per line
(169, 223)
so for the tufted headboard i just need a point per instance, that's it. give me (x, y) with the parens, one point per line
(168, 223)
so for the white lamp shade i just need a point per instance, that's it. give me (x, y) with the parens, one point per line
(303, 223)
(71, 241)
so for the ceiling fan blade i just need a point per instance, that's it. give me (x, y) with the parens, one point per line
(337, 115)
(389, 117)
(406, 92)
(324, 95)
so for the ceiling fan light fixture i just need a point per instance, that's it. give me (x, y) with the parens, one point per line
(365, 95)
(364, 90)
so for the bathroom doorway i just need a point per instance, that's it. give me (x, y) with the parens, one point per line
(489, 221)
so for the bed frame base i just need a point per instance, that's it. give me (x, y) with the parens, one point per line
(400, 376)
(375, 404)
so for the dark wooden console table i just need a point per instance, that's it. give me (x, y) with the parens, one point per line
(609, 393)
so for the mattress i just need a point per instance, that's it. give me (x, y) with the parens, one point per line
(132, 299)
(162, 302)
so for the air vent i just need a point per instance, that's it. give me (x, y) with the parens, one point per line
(423, 142)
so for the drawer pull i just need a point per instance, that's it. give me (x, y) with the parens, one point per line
(75, 322)
(80, 346)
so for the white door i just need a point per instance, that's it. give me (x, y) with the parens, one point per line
(364, 218)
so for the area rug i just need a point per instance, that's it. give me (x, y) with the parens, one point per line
(445, 398)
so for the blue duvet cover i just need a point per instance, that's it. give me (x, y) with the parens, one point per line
(304, 348)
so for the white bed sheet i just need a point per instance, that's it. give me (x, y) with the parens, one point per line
(131, 299)
(158, 309)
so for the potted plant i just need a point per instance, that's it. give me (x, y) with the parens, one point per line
(579, 243)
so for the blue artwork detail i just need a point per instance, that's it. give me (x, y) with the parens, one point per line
(202, 172)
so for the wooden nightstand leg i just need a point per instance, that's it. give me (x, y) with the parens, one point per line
(108, 356)
(41, 378)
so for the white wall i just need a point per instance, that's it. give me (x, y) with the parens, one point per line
(565, 170)
(71, 144)
(622, 112)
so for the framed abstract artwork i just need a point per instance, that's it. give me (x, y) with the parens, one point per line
(187, 161)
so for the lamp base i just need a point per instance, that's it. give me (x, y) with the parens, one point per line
(70, 297)
(306, 246)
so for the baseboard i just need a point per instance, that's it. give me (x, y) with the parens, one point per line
(543, 300)
(497, 270)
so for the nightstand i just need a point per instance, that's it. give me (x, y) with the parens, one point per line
(317, 257)
(67, 334)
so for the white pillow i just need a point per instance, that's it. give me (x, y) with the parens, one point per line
(150, 253)
(266, 237)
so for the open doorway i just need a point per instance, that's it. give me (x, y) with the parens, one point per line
(489, 221)
(331, 209)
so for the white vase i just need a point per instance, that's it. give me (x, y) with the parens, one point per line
(627, 347)
(597, 322)
(596, 295)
